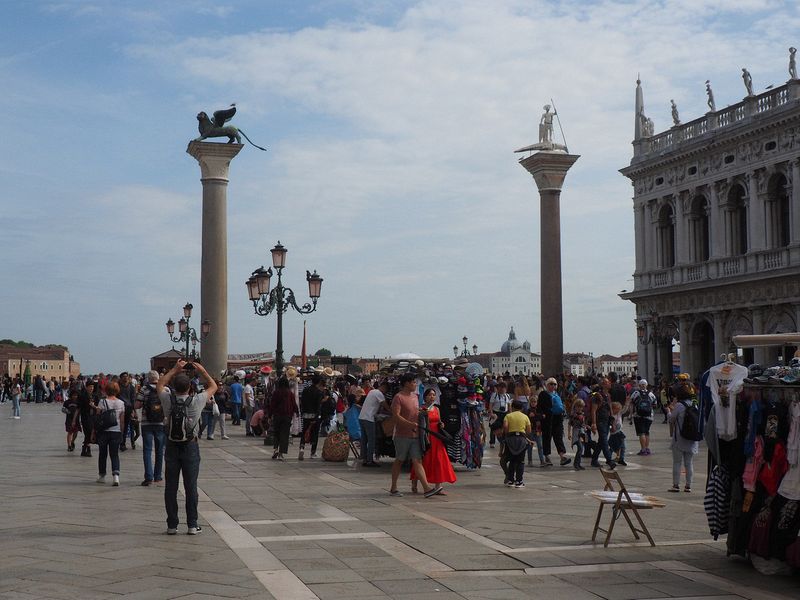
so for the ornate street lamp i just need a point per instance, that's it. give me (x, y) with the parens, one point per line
(280, 298)
(188, 334)
(465, 353)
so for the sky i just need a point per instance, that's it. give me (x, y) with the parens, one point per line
(390, 128)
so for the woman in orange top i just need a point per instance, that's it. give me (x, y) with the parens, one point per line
(435, 462)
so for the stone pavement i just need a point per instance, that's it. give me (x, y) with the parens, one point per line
(311, 529)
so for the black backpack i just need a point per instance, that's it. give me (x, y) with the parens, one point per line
(179, 428)
(106, 419)
(690, 430)
(151, 405)
(644, 407)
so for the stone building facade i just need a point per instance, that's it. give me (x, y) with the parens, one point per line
(717, 227)
(51, 362)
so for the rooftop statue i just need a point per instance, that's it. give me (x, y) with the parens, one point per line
(646, 124)
(211, 128)
(711, 104)
(792, 63)
(676, 120)
(748, 82)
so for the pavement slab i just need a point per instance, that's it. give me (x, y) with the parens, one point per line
(303, 530)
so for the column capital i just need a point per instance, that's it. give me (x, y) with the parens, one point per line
(214, 158)
(549, 168)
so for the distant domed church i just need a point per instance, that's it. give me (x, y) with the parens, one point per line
(516, 357)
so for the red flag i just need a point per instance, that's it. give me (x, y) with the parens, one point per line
(303, 351)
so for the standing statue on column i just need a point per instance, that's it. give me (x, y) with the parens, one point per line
(676, 120)
(546, 126)
(711, 104)
(748, 82)
(792, 63)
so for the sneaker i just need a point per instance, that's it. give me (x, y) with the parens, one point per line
(275, 455)
(581, 468)
(595, 464)
(642, 452)
(116, 481)
(18, 417)
(548, 461)
(194, 530)
(491, 445)
(648, 452)
(314, 455)
(611, 464)
(508, 482)
(519, 485)
(209, 437)
(248, 434)
(133, 446)
(622, 462)
(674, 489)
(300, 455)
(101, 479)
(396, 493)
(172, 531)
(542, 465)
(225, 437)
(565, 461)
(146, 482)
(530, 463)
(281, 457)
(158, 481)
(687, 489)
(122, 448)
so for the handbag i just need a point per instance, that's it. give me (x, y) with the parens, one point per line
(215, 409)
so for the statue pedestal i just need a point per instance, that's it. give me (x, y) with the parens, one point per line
(549, 168)
(214, 160)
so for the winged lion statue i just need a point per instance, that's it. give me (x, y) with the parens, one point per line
(215, 127)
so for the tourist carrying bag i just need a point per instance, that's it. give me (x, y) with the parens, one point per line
(106, 419)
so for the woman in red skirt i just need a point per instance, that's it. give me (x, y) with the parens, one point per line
(435, 462)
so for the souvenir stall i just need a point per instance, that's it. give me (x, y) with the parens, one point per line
(752, 428)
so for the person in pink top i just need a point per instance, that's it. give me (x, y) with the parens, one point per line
(405, 412)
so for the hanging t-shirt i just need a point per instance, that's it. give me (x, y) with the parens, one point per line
(725, 380)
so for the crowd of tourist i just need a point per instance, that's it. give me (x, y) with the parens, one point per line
(396, 414)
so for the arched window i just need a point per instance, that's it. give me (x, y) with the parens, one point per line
(699, 230)
(520, 359)
(666, 237)
(736, 221)
(778, 217)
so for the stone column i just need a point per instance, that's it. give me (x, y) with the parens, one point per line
(716, 224)
(681, 238)
(214, 162)
(720, 343)
(549, 168)
(639, 236)
(759, 352)
(755, 227)
(795, 205)
(687, 358)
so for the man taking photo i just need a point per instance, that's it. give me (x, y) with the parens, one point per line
(182, 456)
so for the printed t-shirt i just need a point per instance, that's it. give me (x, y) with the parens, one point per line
(249, 396)
(725, 380)
(371, 404)
(517, 421)
(409, 409)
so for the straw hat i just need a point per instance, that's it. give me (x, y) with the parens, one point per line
(327, 371)
(290, 372)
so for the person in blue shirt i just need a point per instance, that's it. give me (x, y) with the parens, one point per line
(236, 401)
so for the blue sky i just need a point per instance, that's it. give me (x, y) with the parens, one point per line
(390, 128)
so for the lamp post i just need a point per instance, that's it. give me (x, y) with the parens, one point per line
(280, 298)
(188, 334)
(591, 356)
(465, 353)
(655, 336)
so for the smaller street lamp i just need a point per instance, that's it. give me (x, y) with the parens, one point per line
(465, 353)
(186, 333)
